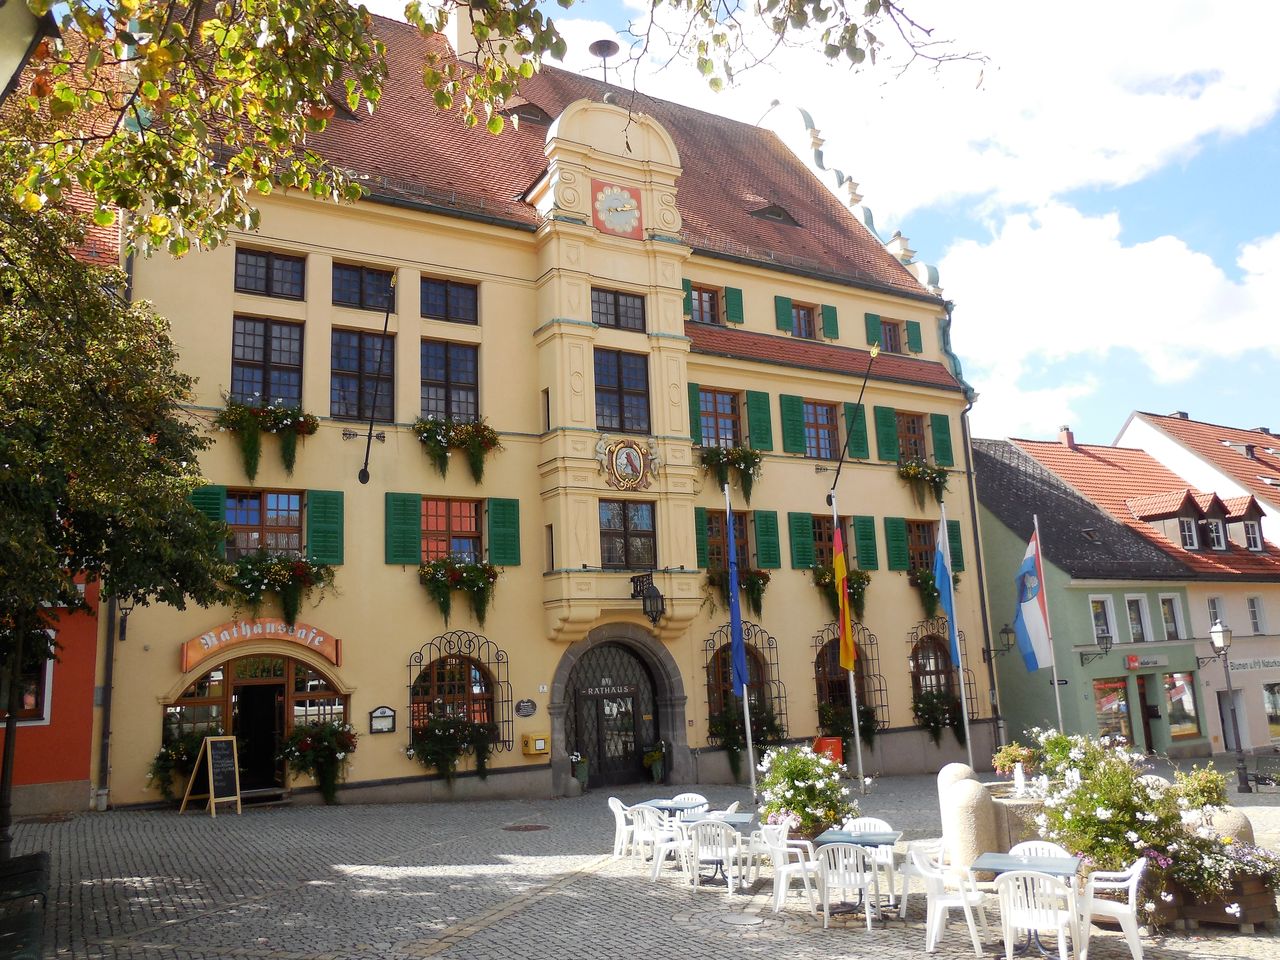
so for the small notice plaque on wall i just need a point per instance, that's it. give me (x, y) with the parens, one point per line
(382, 720)
(526, 708)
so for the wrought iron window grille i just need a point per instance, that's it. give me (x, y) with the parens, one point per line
(485, 654)
(826, 641)
(766, 647)
(937, 627)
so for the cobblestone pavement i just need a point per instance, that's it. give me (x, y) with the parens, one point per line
(456, 881)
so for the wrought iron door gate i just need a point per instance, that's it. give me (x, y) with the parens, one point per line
(614, 717)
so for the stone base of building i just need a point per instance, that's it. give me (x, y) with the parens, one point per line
(519, 784)
(34, 799)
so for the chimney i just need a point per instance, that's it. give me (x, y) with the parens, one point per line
(1266, 430)
(1066, 437)
(1180, 415)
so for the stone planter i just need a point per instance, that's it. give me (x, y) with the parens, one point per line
(1257, 907)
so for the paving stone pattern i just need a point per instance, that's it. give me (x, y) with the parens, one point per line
(446, 880)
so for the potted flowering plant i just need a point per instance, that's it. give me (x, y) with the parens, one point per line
(248, 421)
(321, 751)
(474, 578)
(1004, 760)
(923, 580)
(293, 578)
(804, 790)
(445, 738)
(921, 475)
(857, 581)
(751, 582)
(177, 758)
(743, 460)
(474, 437)
(655, 760)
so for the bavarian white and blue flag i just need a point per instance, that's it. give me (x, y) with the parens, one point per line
(1031, 619)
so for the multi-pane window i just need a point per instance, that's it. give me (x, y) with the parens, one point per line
(706, 304)
(1217, 537)
(931, 667)
(270, 274)
(824, 540)
(721, 695)
(921, 544)
(890, 336)
(626, 535)
(449, 380)
(802, 321)
(833, 680)
(1215, 610)
(1172, 620)
(266, 361)
(446, 300)
(1111, 707)
(266, 520)
(451, 528)
(718, 540)
(622, 391)
(32, 693)
(612, 308)
(1100, 608)
(821, 430)
(1256, 619)
(1187, 531)
(1252, 535)
(1137, 610)
(451, 686)
(721, 418)
(362, 287)
(910, 436)
(1180, 691)
(361, 385)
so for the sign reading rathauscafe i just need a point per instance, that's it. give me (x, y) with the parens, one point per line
(213, 642)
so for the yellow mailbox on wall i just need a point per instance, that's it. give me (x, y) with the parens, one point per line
(535, 744)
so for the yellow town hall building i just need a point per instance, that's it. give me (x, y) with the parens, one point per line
(616, 286)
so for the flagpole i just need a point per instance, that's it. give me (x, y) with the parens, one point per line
(944, 540)
(1048, 624)
(746, 699)
(853, 687)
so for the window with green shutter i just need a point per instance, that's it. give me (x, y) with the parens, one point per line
(403, 530)
(800, 534)
(855, 427)
(695, 413)
(940, 424)
(768, 549)
(733, 312)
(759, 421)
(325, 536)
(864, 543)
(792, 423)
(886, 434)
(504, 532)
(830, 324)
(895, 543)
(700, 535)
(688, 297)
(956, 545)
(873, 328)
(782, 314)
(913, 337)
(211, 500)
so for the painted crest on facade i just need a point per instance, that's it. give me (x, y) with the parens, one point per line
(628, 464)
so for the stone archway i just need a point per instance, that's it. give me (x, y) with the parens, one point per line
(669, 696)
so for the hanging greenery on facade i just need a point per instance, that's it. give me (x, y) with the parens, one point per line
(445, 738)
(744, 461)
(249, 421)
(293, 578)
(922, 476)
(321, 751)
(730, 730)
(824, 578)
(475, 438)
(751, 582)
(476, 579)
(935, 710)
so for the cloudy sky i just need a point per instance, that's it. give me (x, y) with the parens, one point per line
(1099, 196)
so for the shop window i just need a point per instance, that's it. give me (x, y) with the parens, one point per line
(446, 300)
(721, 415)
(363, 288)
(452, 686)
(269, 274)
(266, 361)
(931, 667)
(627, 535)
(1180, 694)
(450, 375)
(267, 520)
(910, 436)
(1271, 704)
(613, 308)
(1111, 707)
(821, 430)
(450, 528)
(362, 384)
(622, 391)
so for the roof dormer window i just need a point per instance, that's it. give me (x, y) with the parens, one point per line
(1252, 535)
(1217, 536)
(1187, 530)
(777, 214)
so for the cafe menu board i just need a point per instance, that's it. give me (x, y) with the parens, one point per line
(215, 777)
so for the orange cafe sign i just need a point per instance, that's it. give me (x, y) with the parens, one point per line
(213, 643)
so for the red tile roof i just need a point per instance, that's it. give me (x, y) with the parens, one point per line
(1158, 505)
(1239, 507)
(1206, 441)
(1114, 477)
(411, 150)
(716, 340)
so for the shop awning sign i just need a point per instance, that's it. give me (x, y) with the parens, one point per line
(213, 643)
(1141, 662)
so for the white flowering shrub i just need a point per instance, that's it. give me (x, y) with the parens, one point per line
(805, 790)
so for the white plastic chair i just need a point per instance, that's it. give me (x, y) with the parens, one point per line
(676, 844)
(908, 872)
(1038, 848)
(651, 828)
(848, 867)
(623, 827)
(1123, 911)
(1034, 901)
(755, 851)
(714, 842)
(881, 856)
(942, 895)
(692, 798)
(790, 859)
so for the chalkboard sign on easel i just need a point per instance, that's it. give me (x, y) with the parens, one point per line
(215, 777)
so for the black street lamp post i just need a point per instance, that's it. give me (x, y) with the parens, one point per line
(1220, 640)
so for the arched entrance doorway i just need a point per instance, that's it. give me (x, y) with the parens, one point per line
(613, 714)
(259, 699)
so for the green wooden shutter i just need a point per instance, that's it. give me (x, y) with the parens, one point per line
(403, 532)
(700, 535)
(864, 542)
(895, 543)
(887, 433)
(211, 500)
(873, 329)
(324, 526)
(830, 325)
(733, 306)
(800, 533)
(913, 336)
(855, 425)
(759, 421)
(942, 454)
(792, 423)
(688, 298)
(956, 544)
(695, 413)
(768, 550)
(782, 313)
(504, 532)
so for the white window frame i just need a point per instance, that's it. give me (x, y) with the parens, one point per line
(1144, 614)
(1252, 535)
(1187, 533)
(1215, 606)
(1257, 615)
(1217, 534)
(1179, 632)
(44, 719)
(1108, 604)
